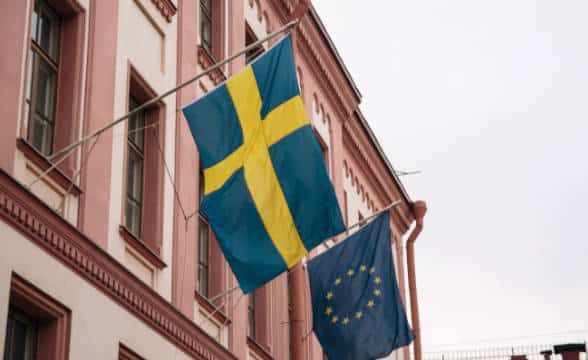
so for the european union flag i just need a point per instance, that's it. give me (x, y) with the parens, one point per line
(267, 193)
(356, 305)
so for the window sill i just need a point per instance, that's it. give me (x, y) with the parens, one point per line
(209, 307)
(43, 163)
(141, 248)
(258, 349)
(206, 60)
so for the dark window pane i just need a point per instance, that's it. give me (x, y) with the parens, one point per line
(133, 217)
(48, 31)
(136, 130)
(21, 333)
(135, 175)
(203, 243)
(251, 314)
(200, 186)
(206, 6)
(134, 190)
(46, 90)
(206, 31)
(253, 53)
(203, 258)
(136, 126)
(203, 281)
(41, 134)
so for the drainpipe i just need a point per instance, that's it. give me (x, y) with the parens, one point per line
(299, 343)
(419, 209)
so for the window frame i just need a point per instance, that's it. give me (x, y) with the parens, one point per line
(38, 57)
(53, 319)
(149, 244)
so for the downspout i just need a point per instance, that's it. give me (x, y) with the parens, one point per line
(419, 210)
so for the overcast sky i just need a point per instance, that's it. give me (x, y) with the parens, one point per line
(490, 100)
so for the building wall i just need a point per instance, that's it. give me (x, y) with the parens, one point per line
(98, 324)
(159, 42)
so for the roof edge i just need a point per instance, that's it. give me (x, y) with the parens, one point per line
(323, 30)
(382, 154)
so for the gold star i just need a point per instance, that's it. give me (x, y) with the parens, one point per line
(337, 281)
(329, 295)
(335, 319)
(377, 292)
(329, 310)
(362, 268)
(372, 270)
(358, 315)
(345, 320)
(350, 272)
(371, 304)
(377, 280)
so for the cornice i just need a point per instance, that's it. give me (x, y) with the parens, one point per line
(166, 8)
(38, 223)
(386, 190)
(324, 80)
(309, 49)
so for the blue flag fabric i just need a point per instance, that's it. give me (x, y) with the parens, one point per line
(356, 305)
(267, 194)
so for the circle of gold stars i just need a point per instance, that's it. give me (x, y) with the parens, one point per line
(345, 320)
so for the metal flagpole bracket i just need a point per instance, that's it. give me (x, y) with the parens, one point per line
(374, 215)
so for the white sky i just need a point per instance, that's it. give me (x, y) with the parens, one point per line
(490, 100)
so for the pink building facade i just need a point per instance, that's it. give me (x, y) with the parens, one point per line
(105, 256)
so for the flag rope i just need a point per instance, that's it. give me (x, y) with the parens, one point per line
(68, 150)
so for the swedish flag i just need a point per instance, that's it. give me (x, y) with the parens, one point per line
(356, 306)
(268, 196)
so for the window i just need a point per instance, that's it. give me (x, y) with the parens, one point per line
(43, 68)
(37, 326)
(212, 28)
(251, 314)
(203, 256)
(206, 24)
(135, 166)
(203, 247)
(143, 218)
(21, 336)
(250, 38)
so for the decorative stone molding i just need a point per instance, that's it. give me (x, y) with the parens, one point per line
(384, 186)
(166, 8)
(317, 66)
(257, 349)
(205, 60)
(41, 225)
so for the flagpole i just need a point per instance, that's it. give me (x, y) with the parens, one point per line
(67, 150)
(376, 214)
